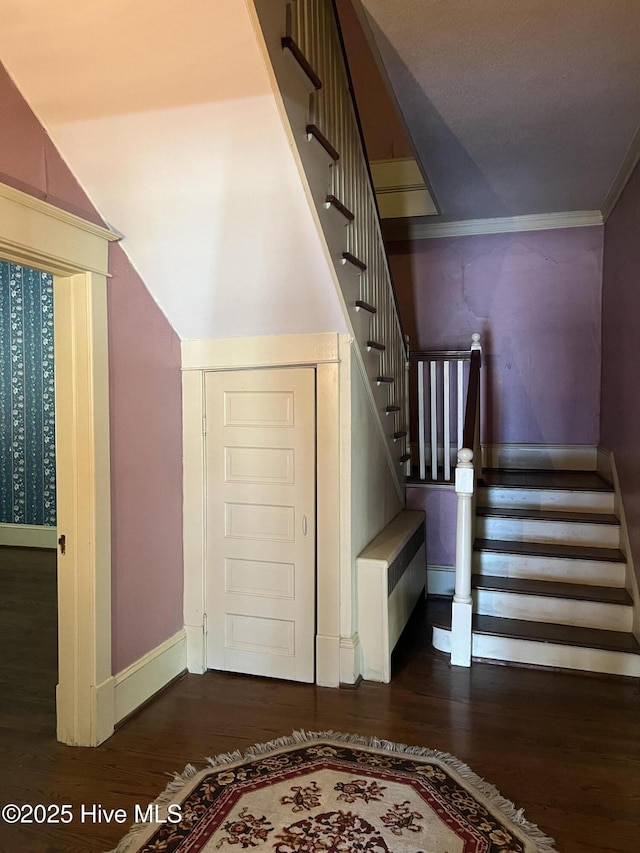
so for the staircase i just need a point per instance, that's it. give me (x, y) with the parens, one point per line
(304, 45)
(548, 574)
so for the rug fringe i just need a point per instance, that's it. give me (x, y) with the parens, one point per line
(544, 843)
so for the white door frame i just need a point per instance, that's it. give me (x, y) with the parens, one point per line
(322, 352)
(39, 235)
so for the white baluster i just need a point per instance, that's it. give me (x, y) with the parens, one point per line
(434, 421)
(421, 419)
(460, 406)
(446, 431)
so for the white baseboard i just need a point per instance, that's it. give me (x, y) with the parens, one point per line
(350, 659)
(196, 651)
(28, 536)
(604, 464)
(565, 457)
(441, 580)
(104, 704)
(150, 673)
(328, 657)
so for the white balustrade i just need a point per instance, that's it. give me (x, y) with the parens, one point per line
(441, 378)
(312, 26)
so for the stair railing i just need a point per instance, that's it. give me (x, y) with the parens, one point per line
(312, 37)
(441, 378)
(468, 471)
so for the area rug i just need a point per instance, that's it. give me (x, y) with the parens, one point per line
(322, 791)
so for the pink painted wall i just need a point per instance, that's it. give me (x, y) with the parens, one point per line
(145, 399)
(620, 414)
(536, 299)
(440, 535)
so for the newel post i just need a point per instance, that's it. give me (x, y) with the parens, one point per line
(461, 615)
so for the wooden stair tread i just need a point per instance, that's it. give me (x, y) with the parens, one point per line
(550, 549)
(534, 479)
(314, 131)
(547, 515)
(554, 589)
(333, 201)
(289, 44)
(567, 635)
(545, 632)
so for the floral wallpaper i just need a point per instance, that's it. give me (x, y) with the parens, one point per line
(27, 416)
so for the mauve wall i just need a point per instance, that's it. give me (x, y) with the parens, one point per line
(440, 505)
(146, 438)
(536, 299)
(621, 351)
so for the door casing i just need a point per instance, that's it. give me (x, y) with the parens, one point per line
(39, 235)
(322, 352)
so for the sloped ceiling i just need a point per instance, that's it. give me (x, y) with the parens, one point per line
(165, 114)
(515, 107)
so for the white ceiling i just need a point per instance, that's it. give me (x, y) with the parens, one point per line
(515, 107)
(165, 114)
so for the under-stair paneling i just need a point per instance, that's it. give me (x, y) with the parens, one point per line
(371, 490)
(177, 139)
(620, 411)
(439, 505)
(535, 298)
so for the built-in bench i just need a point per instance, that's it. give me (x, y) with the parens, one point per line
(391, 573)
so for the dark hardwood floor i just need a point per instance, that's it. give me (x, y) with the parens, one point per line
(565, 747)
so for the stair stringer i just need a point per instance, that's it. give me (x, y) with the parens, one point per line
(631, 581)
(291, 88)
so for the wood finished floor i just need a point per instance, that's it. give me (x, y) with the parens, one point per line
(564, 747)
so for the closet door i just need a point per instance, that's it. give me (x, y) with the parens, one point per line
(260, 568)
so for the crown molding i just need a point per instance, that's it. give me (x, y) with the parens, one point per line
(406, 229)
(50, 210)
(631, 160)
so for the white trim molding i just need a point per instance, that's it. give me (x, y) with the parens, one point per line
(136, 684)
(198, 357)
(407, 229)
(627, 168)
(401, 189)
(28, 536)
(40, 235)
(259, 351)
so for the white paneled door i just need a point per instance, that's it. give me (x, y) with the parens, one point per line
(260, 575)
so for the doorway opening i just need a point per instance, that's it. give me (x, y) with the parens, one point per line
(28, 572)
(38, 235)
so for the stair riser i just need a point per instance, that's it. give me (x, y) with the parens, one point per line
(534, 530)
(560, 499)
(560, 611)
(533, 653)
(553, 655)
(550, 568)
